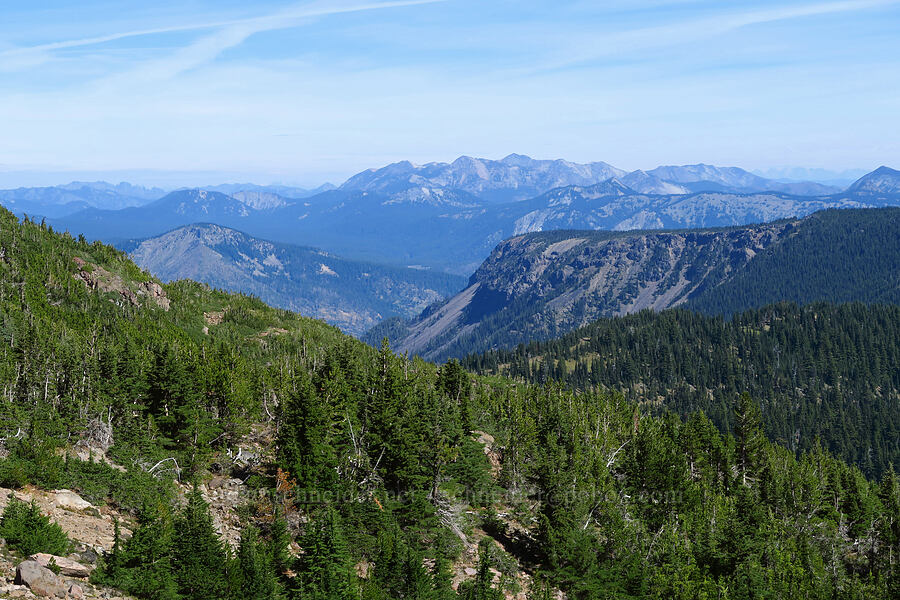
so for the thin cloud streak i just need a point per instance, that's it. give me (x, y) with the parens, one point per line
(669, 35)
(236, 30)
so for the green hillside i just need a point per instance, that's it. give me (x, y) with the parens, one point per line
(381, 477)
(821, 373)
(833, 255)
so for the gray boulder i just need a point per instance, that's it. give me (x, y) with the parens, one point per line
(67, 566)
(40, 580)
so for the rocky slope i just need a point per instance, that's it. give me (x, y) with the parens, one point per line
(540, 285)
(350, 294)
(515, 177)
(543, 284)
(882, 180)
(90, 529)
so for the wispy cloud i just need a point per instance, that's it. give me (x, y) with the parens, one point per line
(229, 33)
(597, 46)
(654, 82)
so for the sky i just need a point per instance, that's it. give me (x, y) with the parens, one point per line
(193, 92)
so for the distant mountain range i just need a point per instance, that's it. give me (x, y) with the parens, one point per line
(705, 178)
(519, 177)
(515, 177)
(283, 191)
(66, 199)
(70, 198)
(449, 216)
(350, 294)
(542, 285)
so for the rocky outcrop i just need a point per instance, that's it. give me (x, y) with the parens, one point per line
(67, 566)
(91, 531)
(69, 500)
(93, 528)
(30, 580)
(540, 285)
(98, 278)
(40, 580)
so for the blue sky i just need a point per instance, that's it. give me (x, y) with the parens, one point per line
(196, 91)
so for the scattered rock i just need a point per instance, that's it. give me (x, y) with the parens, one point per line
(273, 331)
(155, 292)
(16, 591)
(75, 592)
(493, 456)
(470, 572)
(214, 317)
(67, 566)
(69, 500)
(363, 568)
(98, 278)
(216, 482)
(89, 556)
(40, 580)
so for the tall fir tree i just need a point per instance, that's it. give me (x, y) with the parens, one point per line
(254, 575)
(202, 572)
(325, 571)
(750, 439)
(144, 565)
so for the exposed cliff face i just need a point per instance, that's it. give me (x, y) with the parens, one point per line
(542, 284)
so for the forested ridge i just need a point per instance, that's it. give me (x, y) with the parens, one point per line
(821, 373)
(540, 286)
(381, 476)
(831, 255)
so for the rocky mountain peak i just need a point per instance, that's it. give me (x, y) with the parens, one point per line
(883, 180)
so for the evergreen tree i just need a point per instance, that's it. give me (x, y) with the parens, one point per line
(143, 566)
(277, 547)
(254, 575)
(324, 570)
(750, 439)
(201, 558)
(442, 578)
(889, 529)
(482, 587)
(304, 445)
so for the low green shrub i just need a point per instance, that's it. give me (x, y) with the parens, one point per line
(13, 473)
(96, 481)
(28, 531)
